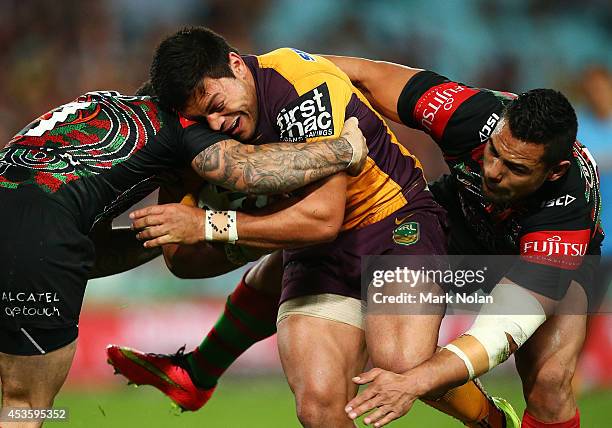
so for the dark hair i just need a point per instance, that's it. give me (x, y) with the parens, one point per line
(183, 59)
(544, 116)
(145, 90)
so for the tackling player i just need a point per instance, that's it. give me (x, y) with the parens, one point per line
(77, 167)
(293, 96)
(519, 184)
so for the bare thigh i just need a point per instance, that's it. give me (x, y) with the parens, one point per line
(267, 274)
(34, 381)
(320, 357)
(401, 336)
(547, 362)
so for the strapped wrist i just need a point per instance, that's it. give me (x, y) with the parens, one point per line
(220, 226)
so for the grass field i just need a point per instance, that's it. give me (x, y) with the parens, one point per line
(262, 403)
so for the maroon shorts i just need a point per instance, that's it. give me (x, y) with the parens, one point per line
(335, 267)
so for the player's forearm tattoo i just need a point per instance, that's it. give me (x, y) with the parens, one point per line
(272, 168)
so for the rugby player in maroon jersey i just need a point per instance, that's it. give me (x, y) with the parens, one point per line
(294, 96)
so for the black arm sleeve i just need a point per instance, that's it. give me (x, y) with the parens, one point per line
(196, 137)
(459, 118)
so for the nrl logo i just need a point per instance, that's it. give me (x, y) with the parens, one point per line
(407, 233)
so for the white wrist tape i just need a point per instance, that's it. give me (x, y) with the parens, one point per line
(515, 312)
(220, 226)
(355, 156)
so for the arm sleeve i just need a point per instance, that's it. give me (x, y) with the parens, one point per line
(195, 137)
(458, 117)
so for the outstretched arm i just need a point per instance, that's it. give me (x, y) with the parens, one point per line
(498, 331)
(381, 82)
(281, 167)
(293, 222)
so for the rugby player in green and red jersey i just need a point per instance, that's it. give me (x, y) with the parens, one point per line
(75, 168)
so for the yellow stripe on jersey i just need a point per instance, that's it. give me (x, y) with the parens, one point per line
(371, 197)
(392, 136)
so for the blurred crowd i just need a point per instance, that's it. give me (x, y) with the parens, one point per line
(54, 51)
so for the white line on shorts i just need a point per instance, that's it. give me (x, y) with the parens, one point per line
(42, 351)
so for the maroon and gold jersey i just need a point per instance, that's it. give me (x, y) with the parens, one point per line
(101, 153)
(303, 97)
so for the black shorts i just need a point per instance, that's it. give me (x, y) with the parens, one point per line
(45, 261)
(36, 341)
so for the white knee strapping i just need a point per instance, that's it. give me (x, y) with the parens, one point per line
(515, 312)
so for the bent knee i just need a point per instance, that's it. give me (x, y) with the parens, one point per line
(16, 394)
(550, 389)
(318, 406)
(397, 358)
(552, 376)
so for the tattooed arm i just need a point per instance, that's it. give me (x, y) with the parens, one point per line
(281, 167)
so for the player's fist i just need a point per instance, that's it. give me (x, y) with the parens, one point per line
(352, 134)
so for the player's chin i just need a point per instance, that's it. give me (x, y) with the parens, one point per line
(497, 197)
(245, 134)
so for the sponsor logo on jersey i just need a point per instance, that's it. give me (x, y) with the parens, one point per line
(561, 201)
(309, 116)
(305, 56)
(407, 233)
(488, 127)
(436, 106)
(399, 221)
(560, 248)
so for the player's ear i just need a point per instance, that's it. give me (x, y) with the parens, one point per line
(237, 65)
(558, 170)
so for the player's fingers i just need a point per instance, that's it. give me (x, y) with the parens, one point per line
(151, 233)
(158, 242)
(391, 416)
(355, 138)
(378, 414)
(359, 405)
(365, 407)
(153, 209)
(147, 221)
(351, 123)
(368, 376)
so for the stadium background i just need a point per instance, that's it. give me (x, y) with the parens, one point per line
(53, 51)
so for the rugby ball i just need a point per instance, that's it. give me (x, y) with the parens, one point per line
(213, 197)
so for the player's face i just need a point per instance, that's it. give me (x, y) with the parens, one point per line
(512, 169)
(228, 104)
